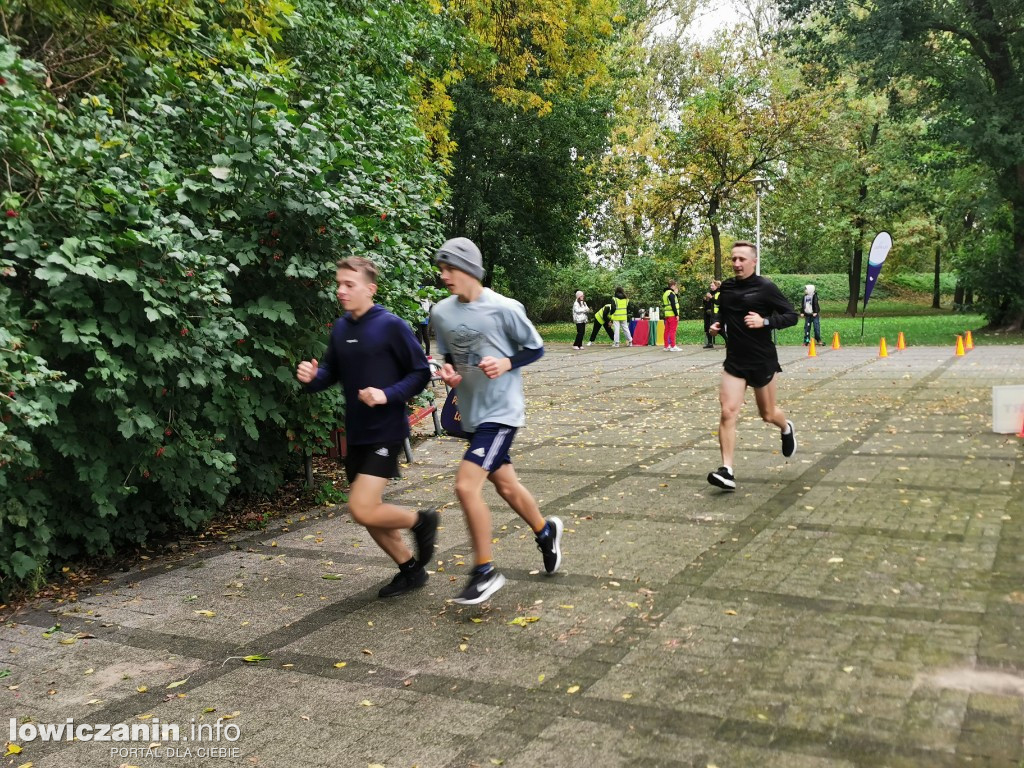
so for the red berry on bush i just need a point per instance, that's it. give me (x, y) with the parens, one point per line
(3, 81)
(275, 233)
(160, 451)
(163, 391)
(146, 474)
(272, 215)
(168, 432)
(383, 216)
(11, 213)
(184, 331)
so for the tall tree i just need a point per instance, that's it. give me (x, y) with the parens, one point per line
(739, 117)
(967, 57)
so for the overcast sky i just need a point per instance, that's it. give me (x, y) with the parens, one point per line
(710, 17)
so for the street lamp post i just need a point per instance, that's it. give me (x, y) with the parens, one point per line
(759, 185)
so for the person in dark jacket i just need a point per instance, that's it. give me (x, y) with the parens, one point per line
(709, 303)
(380, 366)
(812, 314)
(749, 308)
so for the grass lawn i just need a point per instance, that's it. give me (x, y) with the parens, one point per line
(920, 324)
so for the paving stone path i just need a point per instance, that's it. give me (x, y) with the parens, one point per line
(860, 604)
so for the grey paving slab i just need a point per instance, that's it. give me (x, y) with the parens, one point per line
(860, 604)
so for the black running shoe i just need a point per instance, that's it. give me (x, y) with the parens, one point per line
(549, 542)
(480, 587)
(789, 441)
(723, 478)
(425, 532)
(403, 583)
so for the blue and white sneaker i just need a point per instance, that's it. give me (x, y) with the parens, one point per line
(481, 586)
(549, 542)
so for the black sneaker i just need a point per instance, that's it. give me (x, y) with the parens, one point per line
(403, 583)
(723, 478)
(480, 587)
(789, 441)
(549, 542)
(425, 532)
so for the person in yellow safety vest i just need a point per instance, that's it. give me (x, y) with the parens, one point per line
(620, 317)
(601, 319)
(670, 309)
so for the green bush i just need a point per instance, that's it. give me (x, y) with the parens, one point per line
(836, 286)
(168, 259)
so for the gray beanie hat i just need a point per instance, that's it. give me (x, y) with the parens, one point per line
(461, 253)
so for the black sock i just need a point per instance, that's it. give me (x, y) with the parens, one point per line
(408, 567)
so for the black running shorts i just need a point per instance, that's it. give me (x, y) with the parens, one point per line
(755, 377)
(376, 459)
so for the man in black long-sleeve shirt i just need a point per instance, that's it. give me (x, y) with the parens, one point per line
(749, 308)
(380, 366)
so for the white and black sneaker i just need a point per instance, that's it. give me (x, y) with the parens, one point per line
(481, 586)
(549, 542)
(722, 478)
(789, 440)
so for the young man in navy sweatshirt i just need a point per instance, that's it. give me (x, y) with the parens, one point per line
(380, 366)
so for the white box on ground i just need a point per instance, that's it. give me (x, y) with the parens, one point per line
(1007, 409)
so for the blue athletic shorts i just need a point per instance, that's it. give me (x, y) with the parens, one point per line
(489, 446)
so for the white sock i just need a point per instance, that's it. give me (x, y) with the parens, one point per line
(728, 469)
(787, 430)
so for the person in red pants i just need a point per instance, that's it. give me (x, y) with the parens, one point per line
(670, 309)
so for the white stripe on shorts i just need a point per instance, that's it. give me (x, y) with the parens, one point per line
(496, 446)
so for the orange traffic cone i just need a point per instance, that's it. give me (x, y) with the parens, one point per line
(811, 351)
(901, 343)
(960, 346)
(968, 342)
(882, 351)
(835, 340)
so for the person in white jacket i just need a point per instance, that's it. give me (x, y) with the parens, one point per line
(580, 316)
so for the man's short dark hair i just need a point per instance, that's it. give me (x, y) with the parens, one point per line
(745, 244)
(363, 266)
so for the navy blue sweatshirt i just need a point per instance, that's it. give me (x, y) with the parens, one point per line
(377, 350)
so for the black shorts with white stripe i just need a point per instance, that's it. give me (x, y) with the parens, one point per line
(489, 446)
(377, 459)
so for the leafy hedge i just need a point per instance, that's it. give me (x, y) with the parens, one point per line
(168, 257)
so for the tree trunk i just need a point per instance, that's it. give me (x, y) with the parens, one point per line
(716, 236)
(856, 262)
(936, 286)
(958, 296)
(1015, 321)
